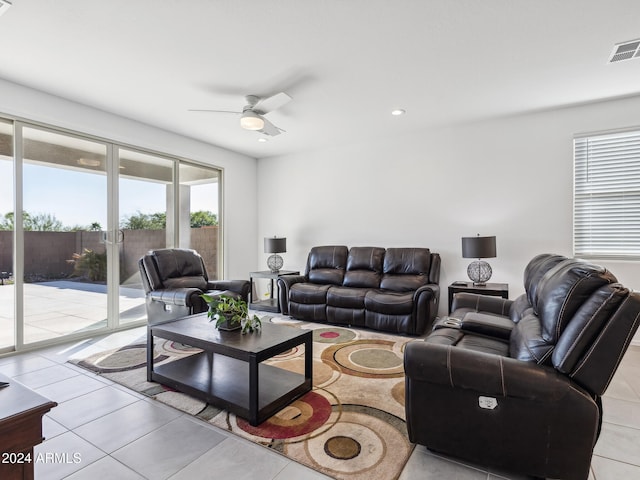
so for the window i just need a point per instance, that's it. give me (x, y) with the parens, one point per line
(607, 195)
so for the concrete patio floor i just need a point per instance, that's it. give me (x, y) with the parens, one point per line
(57, 308)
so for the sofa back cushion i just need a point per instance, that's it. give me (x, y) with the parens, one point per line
(588, 332)
(177, 268)
(405, 269)
(563, 290)
(536, 270)
(601, 341)
(326, 264)
(364, 267)
(526, 343)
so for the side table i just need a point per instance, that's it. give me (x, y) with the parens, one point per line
(21, 412)
(494, 289)
(270, 304)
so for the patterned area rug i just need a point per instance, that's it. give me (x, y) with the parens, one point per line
(350, 426)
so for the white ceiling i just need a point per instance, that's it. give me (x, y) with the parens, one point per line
(346, 63)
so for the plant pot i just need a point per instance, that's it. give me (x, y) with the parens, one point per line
(227, 326)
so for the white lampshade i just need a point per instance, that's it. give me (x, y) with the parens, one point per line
(251, 121)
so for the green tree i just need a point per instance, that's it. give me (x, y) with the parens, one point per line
(41, 222)
(145, 221)
(7, 221)
(203, 218)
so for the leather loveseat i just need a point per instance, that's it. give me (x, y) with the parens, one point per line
(517, 385)
(394, 290)
(174, 279)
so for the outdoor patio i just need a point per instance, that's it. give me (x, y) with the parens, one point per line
(57, 308)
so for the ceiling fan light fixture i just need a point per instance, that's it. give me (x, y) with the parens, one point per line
(4, 6)
(251, 121)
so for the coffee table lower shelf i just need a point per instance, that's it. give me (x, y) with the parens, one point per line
(225, 382)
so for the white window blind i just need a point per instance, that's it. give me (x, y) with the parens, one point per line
(606, 211)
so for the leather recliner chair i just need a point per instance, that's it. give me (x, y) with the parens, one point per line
(517, 384)
(174, 279)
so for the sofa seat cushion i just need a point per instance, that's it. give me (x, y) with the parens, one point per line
(346, 297)
(391, 303)
(308, 293)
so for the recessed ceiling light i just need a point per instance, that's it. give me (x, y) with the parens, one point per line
(89, 162)
(398, 111)
(262, 140)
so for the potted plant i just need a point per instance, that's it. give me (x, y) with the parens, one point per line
(231, 313)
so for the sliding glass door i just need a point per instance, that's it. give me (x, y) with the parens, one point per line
(146, 205)
(199, 214)
(64, 210)
(7, 289)
(76, 215)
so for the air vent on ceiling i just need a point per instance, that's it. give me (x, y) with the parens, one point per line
(625, 51)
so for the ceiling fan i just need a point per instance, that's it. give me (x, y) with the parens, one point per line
(252, 115)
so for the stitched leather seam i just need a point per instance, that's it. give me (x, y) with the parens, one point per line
(626, 342)
(594, 344)
(546, 355)
(564, 304)
(504, 390)
(575, 341)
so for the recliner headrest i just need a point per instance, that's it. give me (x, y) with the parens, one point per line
(327, 264)
(535, 271)
(178, 262)
(562, 290)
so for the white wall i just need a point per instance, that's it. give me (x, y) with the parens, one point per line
(239, 202)
(509, 177)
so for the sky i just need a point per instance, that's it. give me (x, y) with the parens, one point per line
(80, 198)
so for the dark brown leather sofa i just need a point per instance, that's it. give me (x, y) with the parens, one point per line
(517, 385)
(174, 279)
(394, 290)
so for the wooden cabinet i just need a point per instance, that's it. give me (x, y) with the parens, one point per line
(21, 411)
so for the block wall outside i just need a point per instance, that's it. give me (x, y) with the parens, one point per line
(47, 253)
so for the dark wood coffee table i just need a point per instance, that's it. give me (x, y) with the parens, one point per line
(229, 372)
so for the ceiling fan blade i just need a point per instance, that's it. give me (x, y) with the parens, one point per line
(213, 111)
(272, 103)
(270, 129)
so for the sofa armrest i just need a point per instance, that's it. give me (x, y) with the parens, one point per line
(284, 285)
(496, 410)
(184, 297)
(241, 287)
(480, 303)
(495, 326)
(426, 300)
(488, 374)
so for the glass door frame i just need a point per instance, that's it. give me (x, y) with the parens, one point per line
(112, 231)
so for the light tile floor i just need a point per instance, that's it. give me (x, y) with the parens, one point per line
(101, 430)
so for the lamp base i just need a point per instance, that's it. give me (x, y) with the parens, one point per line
(479, 272)
(275, 263)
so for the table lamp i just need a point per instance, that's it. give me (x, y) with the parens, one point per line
(275, 246)
(479, 247)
